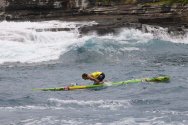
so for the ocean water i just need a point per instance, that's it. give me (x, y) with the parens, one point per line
(32, 56)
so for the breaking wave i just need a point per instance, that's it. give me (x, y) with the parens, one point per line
(36, 42)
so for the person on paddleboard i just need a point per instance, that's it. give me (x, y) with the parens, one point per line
(97, 77)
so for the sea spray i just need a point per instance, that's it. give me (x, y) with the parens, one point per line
(20, 39)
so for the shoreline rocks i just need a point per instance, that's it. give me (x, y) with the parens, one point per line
(109, 18)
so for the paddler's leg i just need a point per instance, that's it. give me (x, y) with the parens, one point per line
(100, 78)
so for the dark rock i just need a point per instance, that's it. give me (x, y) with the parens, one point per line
(165, 9)
(111, 15)
(159, 20)
(54, 29)
(99, 29)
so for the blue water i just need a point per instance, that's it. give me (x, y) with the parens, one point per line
(31, 59)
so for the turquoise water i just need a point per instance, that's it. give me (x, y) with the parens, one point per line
(31, 59)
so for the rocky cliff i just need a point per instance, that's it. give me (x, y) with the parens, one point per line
(109, 13)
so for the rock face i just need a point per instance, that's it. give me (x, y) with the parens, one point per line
(109, 14)
(37, 9)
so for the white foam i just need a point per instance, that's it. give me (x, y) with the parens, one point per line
(137, 36)
(146, 121)
(104, 104)
(30, 42)
(108, 83)
(20, 41)
(29, 107)
(163, 34)
(163, 112)
(50, 120)
(130, 49)
(58, 104)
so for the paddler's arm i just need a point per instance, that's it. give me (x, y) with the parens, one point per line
(93, 79)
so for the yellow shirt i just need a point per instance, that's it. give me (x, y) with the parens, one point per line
(96, 74)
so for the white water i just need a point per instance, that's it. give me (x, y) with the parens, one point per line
(57, 104)
(29, 42)
(20, 41)
(103, 104)
(162, 34)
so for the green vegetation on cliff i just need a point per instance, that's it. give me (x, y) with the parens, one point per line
(179, 1)
(172, 1)
(107, 2)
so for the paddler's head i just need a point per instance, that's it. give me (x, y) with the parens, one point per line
(85, 76)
